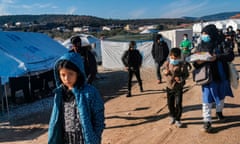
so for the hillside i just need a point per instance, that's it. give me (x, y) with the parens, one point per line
(84, 20)
(80, 20)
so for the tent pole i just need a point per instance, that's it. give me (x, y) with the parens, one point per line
(6, 98)
(29, 85)
(1, 95)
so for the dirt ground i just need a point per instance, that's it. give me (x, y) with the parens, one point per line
(140, 119)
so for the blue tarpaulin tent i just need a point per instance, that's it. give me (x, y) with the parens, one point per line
(27, 52)
(24, 54)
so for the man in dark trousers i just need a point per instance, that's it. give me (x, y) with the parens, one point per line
(90, 63)
(160, 53)
(132, 60)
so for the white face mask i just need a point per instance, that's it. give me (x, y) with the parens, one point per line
(174, 61)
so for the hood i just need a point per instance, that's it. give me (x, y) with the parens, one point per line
(156, 37)
(76, 59)
(212, 31)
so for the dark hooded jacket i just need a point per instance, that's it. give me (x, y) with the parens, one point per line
(160, 50)
(89, 103)
(132, 59)
(90, 64)
(223, 54)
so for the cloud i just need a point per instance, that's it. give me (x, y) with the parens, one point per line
(183, 8)
(8, 1)
(4, 4)
(137, 13)
(72, 10)
(34, 8)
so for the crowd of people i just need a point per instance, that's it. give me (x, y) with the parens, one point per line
(78, 111)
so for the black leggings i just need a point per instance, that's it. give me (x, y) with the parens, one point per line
(174, 101)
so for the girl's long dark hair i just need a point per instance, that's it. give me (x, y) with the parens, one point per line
(69, 65)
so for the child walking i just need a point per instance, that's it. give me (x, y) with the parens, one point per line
(132, 60)
(175, 72)
(78, 110)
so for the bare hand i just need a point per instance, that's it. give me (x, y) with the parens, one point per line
(213, 58)
(200, 62)
(166, 71)
(177, 79)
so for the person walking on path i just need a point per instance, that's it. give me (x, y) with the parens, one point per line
(132, 61)
(78, 109)
(219, 87)
(160, 53)
(90, 63)
(176, 73)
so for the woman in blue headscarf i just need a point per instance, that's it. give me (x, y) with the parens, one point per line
(219, 87)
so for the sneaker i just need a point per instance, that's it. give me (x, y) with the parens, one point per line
(178, 124)
(207, 127)
(172, 120)
(129, 94)
(220, 116)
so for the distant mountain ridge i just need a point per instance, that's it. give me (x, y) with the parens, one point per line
(214, 17)
(80, 20)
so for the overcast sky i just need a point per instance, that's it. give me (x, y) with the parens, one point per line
(120, 9)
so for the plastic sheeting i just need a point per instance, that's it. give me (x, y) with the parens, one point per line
(112, 52)
(26, 52)
(174, 37)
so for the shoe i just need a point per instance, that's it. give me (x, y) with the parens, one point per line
(129, 94)
(220, 116)
(178, 124)
(141, 89)
(159, 81)
(172, 120)
(207, 127)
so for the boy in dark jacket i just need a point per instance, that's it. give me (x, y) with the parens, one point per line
(160, 53)
(132, 60)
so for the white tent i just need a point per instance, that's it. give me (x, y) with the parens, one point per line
(235, 23)
(87, 40)
(149, 31)
(174, 37)
(27, 52)
(197, 28)
(221, 24)
(112, 52)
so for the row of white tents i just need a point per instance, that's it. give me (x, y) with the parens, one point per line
(112, 51)
(221, 24)
(28, 53)
(24, 53)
